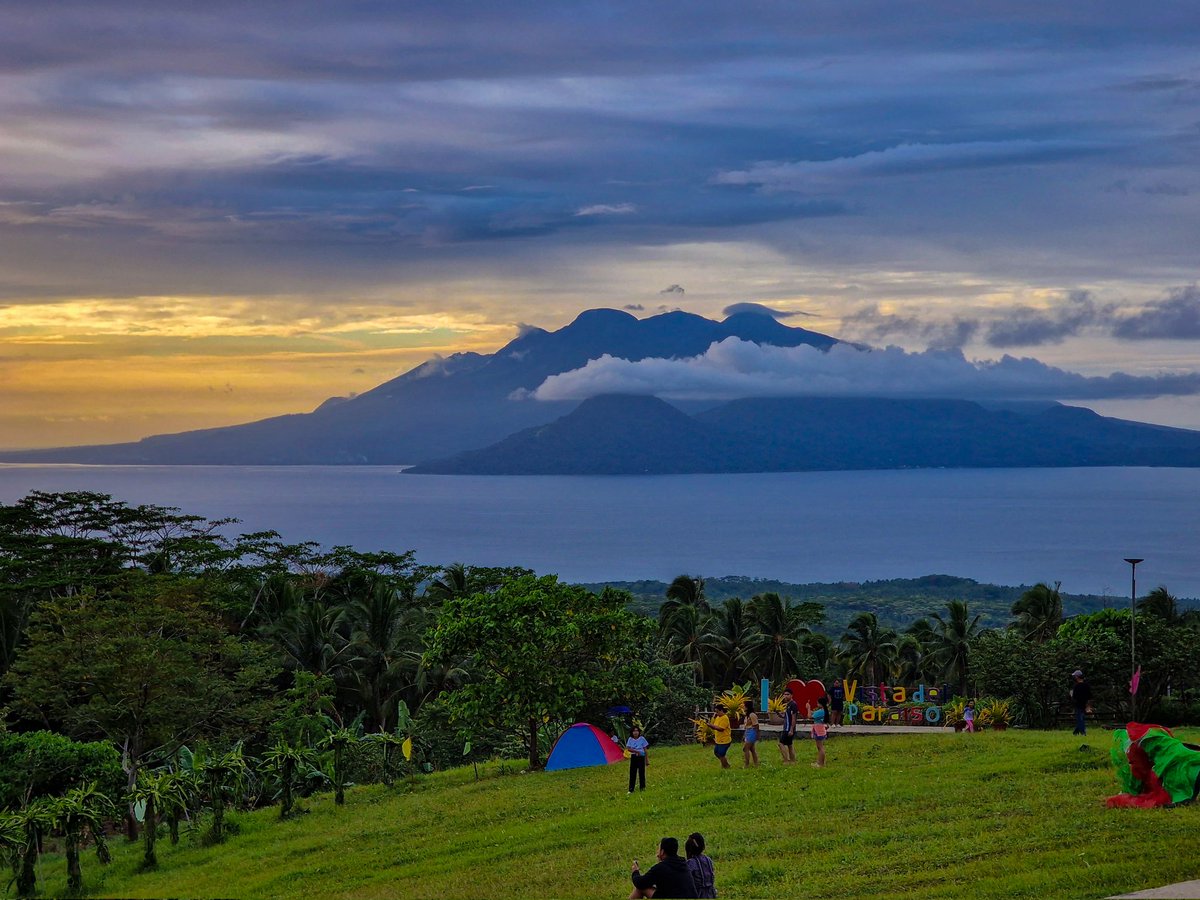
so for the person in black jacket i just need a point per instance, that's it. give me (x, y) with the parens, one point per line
(669, 877)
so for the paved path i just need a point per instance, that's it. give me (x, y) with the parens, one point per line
(1185, 890)
(864, 729)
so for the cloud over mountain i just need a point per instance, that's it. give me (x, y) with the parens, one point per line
(735, 368)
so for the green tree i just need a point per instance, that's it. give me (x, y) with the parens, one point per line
(783, 627)
(149, 666)
(689, 640)
(734, 641)
(952, 637)
(867, 649)
(1161, 604)
(541, 651)
(1039, 612)
(684, 591)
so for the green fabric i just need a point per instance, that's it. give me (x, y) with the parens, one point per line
(1120, 760)
(1177, 767)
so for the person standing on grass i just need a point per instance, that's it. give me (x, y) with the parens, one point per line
(637, 746)
(837, 702)
(750, 738)
(700, 866)
(969, 715)
(819, 732)
(724, 737)
(1081, 698)
(669, 877)
(791, 713)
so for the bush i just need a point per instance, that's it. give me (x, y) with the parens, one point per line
(43, 763)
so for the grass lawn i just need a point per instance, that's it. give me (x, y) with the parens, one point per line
(1015, 814)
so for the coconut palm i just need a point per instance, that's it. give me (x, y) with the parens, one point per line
(315, 637)
(734, 641)
(689, 640)
(385, 649)
(952, 642)
(1161, 604)
(453, 581)
(867, 649)
(779, 653)
(684, 591)
(1039, 612)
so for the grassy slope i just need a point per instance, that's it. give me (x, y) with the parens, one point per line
(992, 815)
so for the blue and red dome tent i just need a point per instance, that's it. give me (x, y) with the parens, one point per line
(583, 745)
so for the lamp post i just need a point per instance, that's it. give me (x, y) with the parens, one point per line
(1133, 563)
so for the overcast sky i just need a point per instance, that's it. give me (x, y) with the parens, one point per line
(215, 212)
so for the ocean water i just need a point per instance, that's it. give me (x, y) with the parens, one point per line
(1007, 526)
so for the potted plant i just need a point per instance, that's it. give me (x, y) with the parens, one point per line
(952, 713)
(734, 701)
(775, 709)
(996, 712)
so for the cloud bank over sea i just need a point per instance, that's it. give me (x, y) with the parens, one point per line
(735, 368)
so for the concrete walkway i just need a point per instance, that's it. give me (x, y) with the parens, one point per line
(1185, 890)
(863, 729)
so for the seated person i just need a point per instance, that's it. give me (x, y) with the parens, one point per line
(669, 877)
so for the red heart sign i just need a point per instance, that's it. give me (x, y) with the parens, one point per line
(807, 694)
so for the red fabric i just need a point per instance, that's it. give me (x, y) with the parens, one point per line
(1137, 730)
(1152, 793)
(613, 752)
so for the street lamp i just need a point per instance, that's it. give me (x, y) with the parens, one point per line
(1133, 563)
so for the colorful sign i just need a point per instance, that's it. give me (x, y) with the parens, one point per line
(875, 706)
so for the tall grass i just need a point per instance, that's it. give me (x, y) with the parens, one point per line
(1016, 814)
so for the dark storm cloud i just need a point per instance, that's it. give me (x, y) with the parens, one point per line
(1024, 326)
(378, 131)
(876, 327)
(1176, 317)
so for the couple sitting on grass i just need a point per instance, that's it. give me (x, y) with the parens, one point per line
(675, 877)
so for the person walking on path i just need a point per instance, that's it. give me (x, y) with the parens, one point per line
(669, 877)
(1081, 698)
(819, 732)
(969, 715)
(724, 737)
(750, 738)
(700, 866)
(637, 745)
(791, 713)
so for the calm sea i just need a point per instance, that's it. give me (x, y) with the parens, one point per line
(1008, 526)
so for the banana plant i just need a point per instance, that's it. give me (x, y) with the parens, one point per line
(401, 738)
(80, 811)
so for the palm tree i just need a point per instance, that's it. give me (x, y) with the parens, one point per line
(385, 649)
(1160, 603)
(1039, 612)
(779, 652)
(952, 642)
(734, 640)
(30, 823)
(454, 581)
(867, 649)
(689, 640)
(314, 637)
(682, 592)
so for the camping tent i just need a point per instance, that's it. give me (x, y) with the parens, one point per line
(583, 745)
